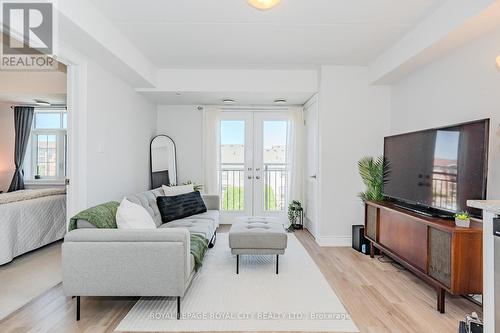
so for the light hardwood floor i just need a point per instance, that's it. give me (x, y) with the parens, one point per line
(379, 297)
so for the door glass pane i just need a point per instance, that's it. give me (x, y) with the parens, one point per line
(275, 172)
(46, 155)
(232, 168)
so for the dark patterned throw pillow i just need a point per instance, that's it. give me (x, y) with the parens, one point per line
(180, 206)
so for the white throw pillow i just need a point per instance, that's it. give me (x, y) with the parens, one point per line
(133, 216)
(171, 191)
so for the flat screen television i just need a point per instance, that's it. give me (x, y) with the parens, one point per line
(436, 171)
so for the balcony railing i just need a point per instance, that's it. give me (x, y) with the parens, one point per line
(444, 190)
(232, 180)
(275, 186)
(275, 181)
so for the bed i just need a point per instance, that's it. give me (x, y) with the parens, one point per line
(30, 219)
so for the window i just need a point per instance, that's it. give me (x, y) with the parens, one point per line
(46, 157)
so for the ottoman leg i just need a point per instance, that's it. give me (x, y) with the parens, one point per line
(237, 264)
(277, 262)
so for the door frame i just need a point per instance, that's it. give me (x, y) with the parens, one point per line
(76, 104)
(250, 115)
(315, 233)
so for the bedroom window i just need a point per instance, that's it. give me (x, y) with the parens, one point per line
(48, 145)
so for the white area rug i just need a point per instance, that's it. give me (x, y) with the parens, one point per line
(298, 299)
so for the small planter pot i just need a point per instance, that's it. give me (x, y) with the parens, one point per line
(462, 223)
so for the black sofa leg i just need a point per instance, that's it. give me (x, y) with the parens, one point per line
(237, 264)
(178, 307)
(213, 240)
(77, 308)
(277, 262)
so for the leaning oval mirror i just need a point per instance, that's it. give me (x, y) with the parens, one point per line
(163, 161)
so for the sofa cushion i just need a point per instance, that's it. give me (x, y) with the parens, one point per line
(180, 206)
(148, 201)
(204, 227)
(212, 215)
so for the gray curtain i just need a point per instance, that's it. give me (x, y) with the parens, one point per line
(23, 118)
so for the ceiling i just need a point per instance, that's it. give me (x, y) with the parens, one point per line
(295, 34)
(29, 98)
(24, 87)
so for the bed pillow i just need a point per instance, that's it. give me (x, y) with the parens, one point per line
(180, 206)
(177, 190)
(133, 216)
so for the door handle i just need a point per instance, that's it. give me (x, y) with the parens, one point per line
(313, 176)
(249, 177)
(257, 177)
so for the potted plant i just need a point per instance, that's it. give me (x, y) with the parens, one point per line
(462, 219)
(295, 211)
(374, 172)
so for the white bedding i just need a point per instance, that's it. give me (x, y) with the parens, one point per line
(30, 224)
(22, 195)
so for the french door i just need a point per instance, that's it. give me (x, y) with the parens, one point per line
(254, 168)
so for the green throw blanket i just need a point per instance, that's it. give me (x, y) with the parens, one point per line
(104, 216)
(199, 246)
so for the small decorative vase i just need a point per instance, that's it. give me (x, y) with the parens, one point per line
(462, 223)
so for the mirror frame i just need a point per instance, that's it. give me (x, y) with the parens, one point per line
(151, 159)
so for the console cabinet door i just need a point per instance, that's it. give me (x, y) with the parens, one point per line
(404, 235)
(440, 256)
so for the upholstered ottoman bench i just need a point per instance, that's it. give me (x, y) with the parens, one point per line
(257, 236)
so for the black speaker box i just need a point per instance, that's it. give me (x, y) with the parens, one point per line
(359, 242)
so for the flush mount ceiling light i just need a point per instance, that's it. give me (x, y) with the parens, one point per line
(263, 4)
(41, 103)
(280, 101)
(228, 101)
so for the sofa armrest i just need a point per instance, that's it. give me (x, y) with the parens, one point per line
(128, 235)
(212, 201)
(113, 262)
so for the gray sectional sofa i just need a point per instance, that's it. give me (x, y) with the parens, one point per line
(117, 262)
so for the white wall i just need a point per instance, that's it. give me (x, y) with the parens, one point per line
(353, 118)
(184, 124)
(461, 87)
(120, 125)
(7, 141)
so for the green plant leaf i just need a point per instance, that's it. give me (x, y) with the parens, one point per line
(375, 174)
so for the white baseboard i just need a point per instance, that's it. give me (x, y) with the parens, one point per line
(335, 241)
